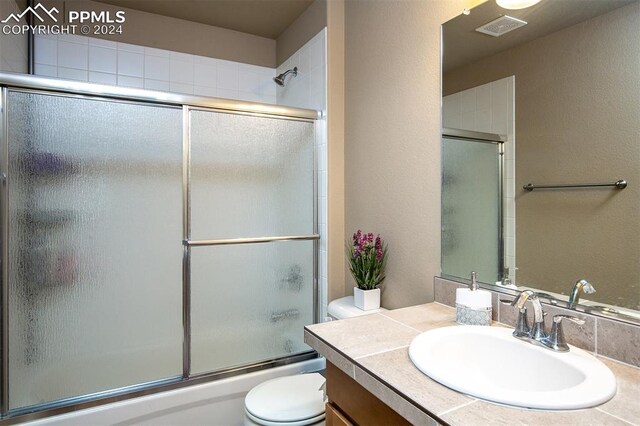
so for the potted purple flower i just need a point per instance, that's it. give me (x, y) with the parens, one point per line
(367, 258)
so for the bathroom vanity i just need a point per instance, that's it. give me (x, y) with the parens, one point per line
(371, 380)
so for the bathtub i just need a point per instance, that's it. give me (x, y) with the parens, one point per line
(219, 402)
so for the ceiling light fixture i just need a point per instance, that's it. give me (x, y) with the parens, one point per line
(516, 4)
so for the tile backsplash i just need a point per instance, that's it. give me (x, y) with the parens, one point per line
(106, 62)
(614, 339)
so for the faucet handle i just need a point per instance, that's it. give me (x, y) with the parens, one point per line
(557, 319)
(556, 340)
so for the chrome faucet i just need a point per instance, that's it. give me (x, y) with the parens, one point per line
(581, 286)
(537, 332)
(555, 340)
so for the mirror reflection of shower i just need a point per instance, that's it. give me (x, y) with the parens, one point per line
(280, 78)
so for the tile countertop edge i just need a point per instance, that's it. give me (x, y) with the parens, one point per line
(416, 414)
(616, 411)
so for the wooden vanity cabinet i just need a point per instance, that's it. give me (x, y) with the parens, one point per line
(351, 404)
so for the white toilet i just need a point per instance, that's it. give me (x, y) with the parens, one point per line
(296, 400)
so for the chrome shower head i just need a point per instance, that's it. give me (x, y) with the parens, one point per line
(280, 79)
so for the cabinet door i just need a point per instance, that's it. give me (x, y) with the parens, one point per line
(335, 417)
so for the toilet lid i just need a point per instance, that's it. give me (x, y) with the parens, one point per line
(287, 399)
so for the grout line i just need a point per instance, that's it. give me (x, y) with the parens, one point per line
(617, 417)
(595, 334)
(456, 407)
(401, 323)
(380, 352)
(617, 361)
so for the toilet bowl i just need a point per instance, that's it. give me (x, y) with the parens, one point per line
(296, 400)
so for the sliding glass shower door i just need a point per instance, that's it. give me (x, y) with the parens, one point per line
(252, 178)
(95, 263)
(145, 243)
(471, 209)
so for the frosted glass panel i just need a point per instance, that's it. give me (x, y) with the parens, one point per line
(251, 176)
(249, 302)
(94, 245)
(470, 209)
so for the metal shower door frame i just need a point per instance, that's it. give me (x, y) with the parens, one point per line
(488, 138)
(55, 87)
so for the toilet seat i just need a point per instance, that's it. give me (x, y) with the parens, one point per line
(292, 401)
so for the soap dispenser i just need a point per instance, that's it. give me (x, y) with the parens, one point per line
(473, 306)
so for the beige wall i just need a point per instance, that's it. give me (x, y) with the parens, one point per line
(178, 35)
(392, 137)
(577, 120)
(335, 148)
(303, 29)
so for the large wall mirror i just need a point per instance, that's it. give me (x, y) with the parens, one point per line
(556, 89)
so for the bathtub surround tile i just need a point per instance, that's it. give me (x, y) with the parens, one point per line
(205, 91)
(103, 78)
(400, 405)
(130, 64)
(73, 55)
(103, 60)
(227, 76)
(227, 94)
(46, 51)
(330, 354)
(619, 341)
(625, 405)
(160, 85)
(156, 68)
(205, 74)
(159, 69)
(365, 335)
(484, 413)
(46, 70)
(396, 369)
(133, 82)
(181, 71)
(73, 74)
(181, 88)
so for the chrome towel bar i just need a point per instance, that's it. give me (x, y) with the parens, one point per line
(619, 184)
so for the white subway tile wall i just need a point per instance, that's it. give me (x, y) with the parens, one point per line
(308, 90)
(490, 108)
(107, 62)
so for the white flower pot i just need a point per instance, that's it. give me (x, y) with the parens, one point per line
(366, 299)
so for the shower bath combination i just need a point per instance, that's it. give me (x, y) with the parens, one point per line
(279, 80)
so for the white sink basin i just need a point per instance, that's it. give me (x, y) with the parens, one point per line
(489, 363)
